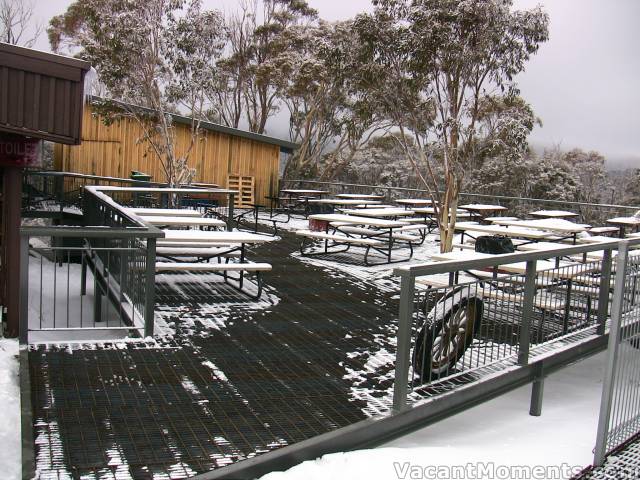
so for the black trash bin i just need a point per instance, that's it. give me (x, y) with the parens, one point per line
(140, 176)
(141, 199)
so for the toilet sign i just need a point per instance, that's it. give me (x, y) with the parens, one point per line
(19, 151)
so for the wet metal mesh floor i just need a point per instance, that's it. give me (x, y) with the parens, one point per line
(230, 378)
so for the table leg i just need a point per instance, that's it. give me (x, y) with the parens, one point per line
(326, 241)
(389, 248)
(242, 252)
(256, 210)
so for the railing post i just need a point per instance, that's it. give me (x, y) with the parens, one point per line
(600, 450)
(407, 288)
(150, 288)
(230, 212)
(527, 313)
(23, 317)
(59, 186)
(603, 294)
(537, 391)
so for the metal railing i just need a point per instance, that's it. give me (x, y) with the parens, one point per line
(57, 191)
(60, 191)
(101, 275)
(619, 420)
(457, 317)
(115, 249)
(594, 213)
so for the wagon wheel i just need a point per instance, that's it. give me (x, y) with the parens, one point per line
(443, 341)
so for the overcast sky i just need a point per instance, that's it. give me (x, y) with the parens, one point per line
(583, 83)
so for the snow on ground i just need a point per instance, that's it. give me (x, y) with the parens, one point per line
(10, 453)
(497, 439)
(55, 301)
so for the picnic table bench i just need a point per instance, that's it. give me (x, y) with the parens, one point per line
(183, 221)
(514, 232)
(206, 245)
(623, 222)
(554, 225)
(379, 236)
(173, 212)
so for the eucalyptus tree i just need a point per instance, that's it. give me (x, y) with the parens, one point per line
(155, 58)
(329, 114)
(251, 79)
(17, 25)
(432, 65)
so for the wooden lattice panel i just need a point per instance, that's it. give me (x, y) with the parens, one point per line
(245, 187)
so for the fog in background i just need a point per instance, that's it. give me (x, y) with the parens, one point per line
(583, 83)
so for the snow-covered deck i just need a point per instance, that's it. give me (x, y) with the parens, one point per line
(226, 378)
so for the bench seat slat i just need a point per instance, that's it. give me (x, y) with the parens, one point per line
(212, 267)
(338, 238)
(196, 252)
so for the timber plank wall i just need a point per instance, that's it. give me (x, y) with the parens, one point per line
(116, 150)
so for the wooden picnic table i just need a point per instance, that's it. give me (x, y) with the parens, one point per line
(343, 201)
(544, 246)
(183, 221)
(550, 271)
(360, 196)
(482, 210)
(380, 212)
(514, 232)
(432, 211)
(414, 202)
(229, 243)
(358, 220)
(370, 222)
(302, 191)
(556, 225)
(300, 196)
(199, 236)
(165, 212)
(553, 214)
(623, 222)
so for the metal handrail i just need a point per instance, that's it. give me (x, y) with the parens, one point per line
(431, 268)
(138, 230)
(51, 173)
(125, 213)
(468, 194)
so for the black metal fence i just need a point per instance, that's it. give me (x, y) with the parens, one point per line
(95, 277)
(592, 213)
(60, 191)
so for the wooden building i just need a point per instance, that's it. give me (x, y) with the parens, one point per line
(220, 153)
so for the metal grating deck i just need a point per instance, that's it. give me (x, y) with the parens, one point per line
(227, 378)
(622, 464)
(230, 379)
